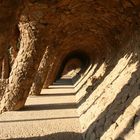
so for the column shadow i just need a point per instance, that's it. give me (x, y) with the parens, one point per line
(55, 136)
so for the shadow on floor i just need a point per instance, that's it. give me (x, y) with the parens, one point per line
(55, 136)
(50, 106)
(55, 94)
(67, 81)
(40, 119)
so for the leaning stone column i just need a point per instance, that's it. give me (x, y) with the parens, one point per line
(42, 72)
(32, 48)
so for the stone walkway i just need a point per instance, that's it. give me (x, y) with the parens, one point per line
(50, 116)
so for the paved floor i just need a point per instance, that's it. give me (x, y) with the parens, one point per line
(51, 116)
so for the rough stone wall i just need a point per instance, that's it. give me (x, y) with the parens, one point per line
(109, 109)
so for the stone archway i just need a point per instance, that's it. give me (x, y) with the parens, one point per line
(73, 64)
(72, 67)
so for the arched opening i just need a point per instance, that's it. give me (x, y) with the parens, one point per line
(73, 65)
(72, 68)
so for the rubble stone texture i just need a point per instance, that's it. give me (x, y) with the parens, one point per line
(104, 34)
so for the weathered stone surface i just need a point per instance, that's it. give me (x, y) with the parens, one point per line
(109, 110)
(107, 31)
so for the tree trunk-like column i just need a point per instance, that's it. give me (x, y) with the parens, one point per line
(32, 48)
(45, 66)
(50, 74)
